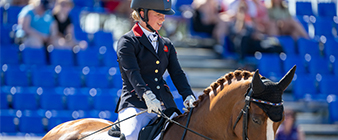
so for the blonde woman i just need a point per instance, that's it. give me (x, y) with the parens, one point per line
(143, 57)
(36, 20)
(282, 23)
(63, 37)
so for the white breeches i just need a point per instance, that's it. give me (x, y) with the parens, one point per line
(131, 127)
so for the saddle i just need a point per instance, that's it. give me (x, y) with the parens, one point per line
(149, 132)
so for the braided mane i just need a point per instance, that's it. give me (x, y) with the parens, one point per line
(227, 78)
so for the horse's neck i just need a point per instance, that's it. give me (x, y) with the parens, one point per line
(214, 114)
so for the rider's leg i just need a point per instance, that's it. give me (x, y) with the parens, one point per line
(131, 127)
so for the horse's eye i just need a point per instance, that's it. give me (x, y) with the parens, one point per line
(256, 120)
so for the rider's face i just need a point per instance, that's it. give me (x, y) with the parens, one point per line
(155, 19)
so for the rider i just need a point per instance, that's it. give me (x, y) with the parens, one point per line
(143, 57)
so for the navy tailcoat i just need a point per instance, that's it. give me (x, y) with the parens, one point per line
(142, 69)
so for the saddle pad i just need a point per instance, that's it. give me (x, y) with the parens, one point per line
(166, 125)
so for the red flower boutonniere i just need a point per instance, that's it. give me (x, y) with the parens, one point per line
(165, 48)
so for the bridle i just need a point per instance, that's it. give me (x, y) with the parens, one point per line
(245, 111)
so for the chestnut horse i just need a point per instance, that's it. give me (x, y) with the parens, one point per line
(219, 112)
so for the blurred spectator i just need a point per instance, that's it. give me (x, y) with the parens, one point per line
(63, 29)
(36, 20)
(118, 6)
(262, 17)
(243, 35)
(288, 130)
(207, 19)
(282, 23)
(14, 2)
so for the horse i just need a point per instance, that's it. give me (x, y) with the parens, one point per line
(239, 98)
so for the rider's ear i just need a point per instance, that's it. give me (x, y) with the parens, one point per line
(286, 80)
(257, 84)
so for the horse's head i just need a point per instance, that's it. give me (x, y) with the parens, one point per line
(260, 112)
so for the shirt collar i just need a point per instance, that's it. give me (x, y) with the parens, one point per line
(145, 31)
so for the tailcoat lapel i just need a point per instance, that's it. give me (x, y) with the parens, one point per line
(144, 39)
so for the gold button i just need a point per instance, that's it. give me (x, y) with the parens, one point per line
(156, 71)
(158, 87)
(157, 62)
(156, 79)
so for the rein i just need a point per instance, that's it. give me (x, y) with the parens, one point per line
(245, 111)
(186, 128)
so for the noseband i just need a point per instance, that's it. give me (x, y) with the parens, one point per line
(245, 111)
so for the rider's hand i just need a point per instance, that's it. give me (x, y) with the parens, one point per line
(151, 101)
(188, 102)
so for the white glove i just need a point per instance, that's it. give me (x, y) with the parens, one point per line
(151, 101)
(188, 102)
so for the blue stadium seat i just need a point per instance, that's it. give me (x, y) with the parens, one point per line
(331, 47)
(12, 14)
(303, 8)
(117, 81)
(328, 85)
(103, 114)
(25, 100)
(80, 34)
(9, 54)
(3, 101)
(179, 103)
(304, 20)
(75, 16)
(70, 77)
(306, 46)
(110, 57)
(88, 57)
(34, 56)
(31, 122)
(292, 60)
(97, 78)
(5, 34)
(16, 75)
(304, 85)
(170, 83)
(102, 38)
(63, 57)
(327, 9)
(1, 14)
(288, 44)
(79, 100)
(51, 100)
(56, 117)
(269, 65)
(333, 105)
(319, 65)
(105, 99)
(335, 68)
(81, 3)
(7, 121)
(43, 76)
(323, 26)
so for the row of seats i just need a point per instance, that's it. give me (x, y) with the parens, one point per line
(41, 121)
(50, 76)
(324, 46)
(91, 56)
(59, 98)
(324, 9)
(314, 70)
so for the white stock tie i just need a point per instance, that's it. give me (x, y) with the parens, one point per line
(153, 41)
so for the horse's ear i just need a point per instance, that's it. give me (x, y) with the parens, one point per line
(257, 84)
(286, 80)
